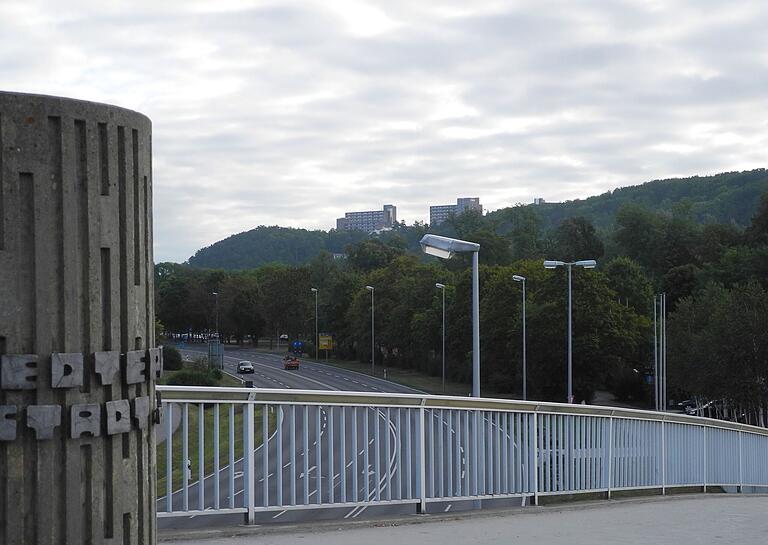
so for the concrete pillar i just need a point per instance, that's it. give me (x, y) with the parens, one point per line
(77, 355)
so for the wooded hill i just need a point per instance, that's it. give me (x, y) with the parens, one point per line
(725, 199)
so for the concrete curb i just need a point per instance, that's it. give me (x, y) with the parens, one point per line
(333, 526)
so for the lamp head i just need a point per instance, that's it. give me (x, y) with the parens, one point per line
(552, 264)
(314, 290)
(444, 247)
(518, 278)
(440, 286)
(586, 263)
(369, 288)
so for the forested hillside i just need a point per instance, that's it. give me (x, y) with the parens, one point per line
(272, 245)
(728, 199)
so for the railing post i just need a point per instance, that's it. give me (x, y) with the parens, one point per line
(187, 468)
(422, 505)
(535, 461)
(475, 455)
(663, 459)
(704, 427)
(169, 457)
(249, 475)
(610, 455)
(741, 465)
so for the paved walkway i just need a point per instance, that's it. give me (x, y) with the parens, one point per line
(688, 520)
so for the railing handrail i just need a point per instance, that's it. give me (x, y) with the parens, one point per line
(194, 394)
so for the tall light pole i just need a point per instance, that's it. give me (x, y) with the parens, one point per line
(446, 248)
(518, 278)
(317, 337)
(660, 349)
(218, 346)
(441, 287)
(216, 295)
(373, 343)
(587, 264)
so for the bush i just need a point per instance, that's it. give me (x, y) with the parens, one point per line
(171, 359)
(192, 377)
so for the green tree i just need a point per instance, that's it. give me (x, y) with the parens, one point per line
(575, 239)
(371, 254)
(718, 345)
(632, 287)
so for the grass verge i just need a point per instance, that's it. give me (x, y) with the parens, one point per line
(193, 442)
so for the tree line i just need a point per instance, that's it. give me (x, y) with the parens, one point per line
(715, 276)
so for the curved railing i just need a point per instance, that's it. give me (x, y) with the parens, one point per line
(348, 449)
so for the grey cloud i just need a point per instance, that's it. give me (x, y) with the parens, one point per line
(284, 114)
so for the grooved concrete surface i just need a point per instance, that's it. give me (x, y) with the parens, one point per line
(76, 278)
(673, 520)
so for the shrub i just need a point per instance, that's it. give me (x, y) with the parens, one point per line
(191, 377)
(171, 359)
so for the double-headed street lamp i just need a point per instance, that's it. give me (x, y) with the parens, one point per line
(518, 278)
(587, 264)
(446, 248)
(373, 344)
(441, 287)
(317, 338)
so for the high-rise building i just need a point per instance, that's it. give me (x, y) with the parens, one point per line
(369, 220)
(441, 212)
(538, 200)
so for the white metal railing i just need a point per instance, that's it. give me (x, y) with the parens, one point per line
(274, 450)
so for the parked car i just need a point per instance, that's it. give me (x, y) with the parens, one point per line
(245, 367)
(688, 406)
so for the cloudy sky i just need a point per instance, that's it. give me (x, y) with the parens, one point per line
(290, 113)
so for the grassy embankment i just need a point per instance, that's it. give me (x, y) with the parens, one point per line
(193, 444)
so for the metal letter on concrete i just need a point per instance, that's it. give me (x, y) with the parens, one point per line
(76, 291)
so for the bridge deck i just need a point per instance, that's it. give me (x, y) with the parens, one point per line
(710, 518)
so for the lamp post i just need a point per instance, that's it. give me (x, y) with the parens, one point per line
(587, 264)
(660, 350)
(441, 287)
(446, 248)
(518, 278)
(317, 337)
(217, 344)
(216, 295)
(373, 344)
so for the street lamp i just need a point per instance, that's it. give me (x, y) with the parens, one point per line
(446, 248)
(587, 264)
(317, 337)
(441, 287)
(373, 353)
(216, 295)
(518, 278)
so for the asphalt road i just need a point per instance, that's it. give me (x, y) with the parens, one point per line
(301, 476)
